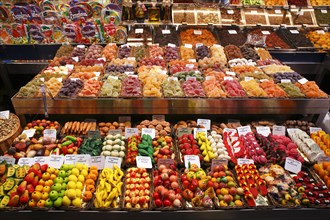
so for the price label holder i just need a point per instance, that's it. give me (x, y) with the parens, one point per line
(294, 31)
(83, 158)
(279, 130)
(303, 81)
(206, 123)
(41, 160)
(230, 12)
(265, 32)
(229, 130)
(129, 132)
(9, 160)
(50, 134)
(158, 117)
(143, 162)
(197, 32)
(149, 131)
(167, 162)
(191, 159)
(197, 130)
(97, 161)
(56, 161)
(285, 81)
(218, 162)
(182, 131)
(109, 162)
(292, 165)
(263, 130)
(228, 78)
(243, 130)
(241, 161)
(171, 45)
(166, 32)
(70, 159)
(139, 30)
(232, 31)
(115, 131)
(4, 114)
(314, 129)
(25, 161)
(30, 132)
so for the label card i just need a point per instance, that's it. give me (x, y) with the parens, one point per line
(76, 59)
(294, 32)
(81, 46)
(232, 31)
(9, 160)
(228, 78)
(69, 66)
(197, 32)
(241, 161)
(123, 119)
(167, 162)
(230, 12)
(292, 165)
(93, 134)
(182, 131)
(149, 131)
(190, 65)
(278, 11)
(158, 117)
(229, 130)
(324, 11)
(230, 73)
(285, 81)
(130, 58)
(265, 32)
(248, 78)
(139, 30)
(314, 129)
(188, 45)
(115, 131)
(205, 122)
(303, 81)
(129, 72)
(50, 134)
(197, 130)
(113, 77)
(243, 130)
(70, 159)
(166, 32)
(199, 45)
(173, 78)
(97, 161)
(217, 162)
(320, 32)
(323, 159)
(30, 132)
(129, 132)
(4, 114)
(171, 45)
(41, 160)
(143, 162)
(192, 159)
(110, 161)
(263, 130)
(83, 158)
(56, 161)
(25, 161)
(279, 130)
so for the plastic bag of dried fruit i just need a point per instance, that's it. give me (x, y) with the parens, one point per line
(256, 40)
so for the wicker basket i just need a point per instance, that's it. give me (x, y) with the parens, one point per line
(7, 141)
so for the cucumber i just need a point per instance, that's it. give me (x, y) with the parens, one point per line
(4, 201)
(11, 171)
(2, 193)
(9, 184)
(20, 173)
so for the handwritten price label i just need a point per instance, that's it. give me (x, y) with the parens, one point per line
(56, 161)
(241, 161)
(149, 131)
(206, 123)
(111, 161)
(292, 165)
(143, 162)
(129, 132)
(191, 159)
(243, 130)
(263, 130)
(279, 130)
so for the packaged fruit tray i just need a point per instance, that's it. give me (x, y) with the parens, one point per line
(196, 34)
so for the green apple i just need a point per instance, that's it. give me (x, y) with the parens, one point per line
(62, 174)
(71, 166)
(49, 203)
(63, 186)
(53, 195)
(58, 202)
(61, 193)
(58, 180)
(68, 173)
(57, 187)
(66, 180)
(64, 167)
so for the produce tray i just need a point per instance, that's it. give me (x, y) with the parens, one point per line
(195, 27)
(285, 33)
(164, 40)
(12, 209)
(226, 38)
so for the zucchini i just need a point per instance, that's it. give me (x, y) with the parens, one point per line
(20, 173)
(14, 189)
(2, 193)
(9, 184)
(11, 171)
(4, 201)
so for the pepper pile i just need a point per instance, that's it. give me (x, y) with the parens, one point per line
(70, 145)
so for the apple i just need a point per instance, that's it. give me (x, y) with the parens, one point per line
(53, 195)
(228, 198)
(233, 191)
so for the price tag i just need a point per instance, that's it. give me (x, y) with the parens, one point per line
(265, 32)
(191, 78)
(204, 122)
(230, 12)
(158, 117)
(228, 78)
(248, 78)
(70, 159)
(243, 130)
(173, 78)
(300, 12)
(167, 162)
(171, 45)
(97, 161)
(25, 161)
(81, 46)
(4, 114)
(314, 129)
(263, 130)
(278, 11)
(241, 161)
(163, 72)
(129, 132)
(143, 162)
(303, 81)
(254, 12)
(209, 78)
(56, 161)
(292, 165)
(69, 66)
(229, 130)
(129, 73)
(42, 79)
(199, 45)
(217, 162)
(294, 31)
(279, 130)
(190, 66)
(285, 81)
(182, 131)
(149, 131)
(50, 134)
(76, 59)
(93, 134)
(115, 131)
(113, 77)
(230, 73)
(30, 132)
(130, 58)
(83, 158)
(139, 31)
(166, 31)
(197, 32)
(110, 161)
(9, 160)
(192, 60)
(134, 76)
(41, 160)
(191, 159)
(74, 79)
(323, 159)
(324, 11)
(263, 80)
(320, 32)
(198, 130)
(232, 31)
(59, 79)
(188, 45)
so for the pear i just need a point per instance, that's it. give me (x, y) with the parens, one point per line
(207, 159)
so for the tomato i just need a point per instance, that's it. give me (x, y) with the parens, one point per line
(185, 184)
(156, 195)
(187, 194)
(167, 202)
(158, 203)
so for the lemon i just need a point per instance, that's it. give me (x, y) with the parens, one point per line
(66, 201)
(71, 193)
(73, 178)
(75, 171)
(71, 185)
(76, 202)
(78, 193)
(79, 166)
(79, 185)
(84, 173)
(81, 178)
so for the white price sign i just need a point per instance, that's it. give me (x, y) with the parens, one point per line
(81, 46)
(324, 11)
(285, 81)
(25, 161)
(149, 131)
(243, 130)
(303, 81)
(197, 32)
(143, 162)
(248, 78)
(139, 31)
(228, 78)
(30, 132)
(171, 45)
(229, 130)
(70, 159)
(191, 159)
(292, 165)
(4, 114)
(232, 31)
(129, 132)
(76, 59)
(278, 11)
(198, 130)
(320, 32)
(56, 161)
(50, 134)
(69, 66)
(41, 160)
(204, 122)
(166, 31)
(230, 73)
(314, 129)
(83, 158)
(294, 32)
(279, 130)
(265, 32)
(9, 160)
(110, 161)
(188, 45)
(241, 161)
(97, 161)
(263, 130)
(230, 12)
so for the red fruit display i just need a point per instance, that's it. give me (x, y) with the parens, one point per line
(253, 149)
(163, 148)
(188, 146)
(233, 88)
(132, 149)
